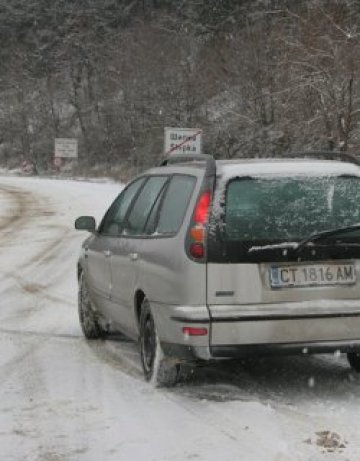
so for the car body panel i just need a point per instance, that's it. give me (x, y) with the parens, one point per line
(250, 283)
(124, 272)
(97, 269)
(290, 330)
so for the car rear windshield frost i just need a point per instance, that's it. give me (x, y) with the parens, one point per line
(290, 208)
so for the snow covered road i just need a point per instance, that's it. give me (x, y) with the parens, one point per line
(63, 398)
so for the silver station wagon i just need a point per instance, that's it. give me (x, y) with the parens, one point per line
(200, 259)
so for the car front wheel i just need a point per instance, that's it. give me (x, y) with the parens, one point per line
(157, 368)
(87, 316)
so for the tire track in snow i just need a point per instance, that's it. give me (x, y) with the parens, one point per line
(26, 213)
(31, 342)
(27, 207)
(18, 201)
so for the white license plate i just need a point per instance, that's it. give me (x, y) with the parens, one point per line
(312, 275)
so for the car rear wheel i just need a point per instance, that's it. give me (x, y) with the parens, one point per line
(157, 368)
(354, 360)
(87, 316)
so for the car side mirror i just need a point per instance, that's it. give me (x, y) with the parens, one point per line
(87, 223)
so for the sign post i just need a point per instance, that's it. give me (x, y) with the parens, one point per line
(182, 140)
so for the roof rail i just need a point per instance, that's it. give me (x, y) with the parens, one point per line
(329, 155)
(210, 164)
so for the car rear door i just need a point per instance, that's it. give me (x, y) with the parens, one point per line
(126, 256)
(263, 290)
(100, 250)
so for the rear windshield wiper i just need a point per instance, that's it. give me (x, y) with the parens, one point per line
(297, 246)
(325, 234)
(275, 246)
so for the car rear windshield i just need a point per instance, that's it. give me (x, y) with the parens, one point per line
(291, 209)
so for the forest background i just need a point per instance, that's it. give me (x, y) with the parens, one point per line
(259, 77)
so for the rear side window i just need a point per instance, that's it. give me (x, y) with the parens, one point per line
(175, 204)
(151, 223)
(143, 205)
(114, 217)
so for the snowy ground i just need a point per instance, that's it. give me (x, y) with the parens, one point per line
(63, 398)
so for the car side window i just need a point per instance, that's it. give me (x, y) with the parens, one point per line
(138, 216)
(152, 219)
(114, 217)
(175, 203)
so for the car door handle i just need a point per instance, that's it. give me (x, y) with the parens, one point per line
(107, 253)
(133, 256)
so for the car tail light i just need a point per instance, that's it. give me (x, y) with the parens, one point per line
(197, 250)
(191, 331)
(197, 234)
(197, 231)
(202, 208)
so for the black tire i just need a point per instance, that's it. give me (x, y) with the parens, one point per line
(354, 360)
(158, 369)
(87, 316)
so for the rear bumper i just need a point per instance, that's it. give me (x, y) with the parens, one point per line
(286, 330)
(196, 353)
(259, 332)
(170, 321)
(251, 350)
(186, 353)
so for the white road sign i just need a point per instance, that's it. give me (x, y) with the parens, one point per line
(66, 148)
(182, 140)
